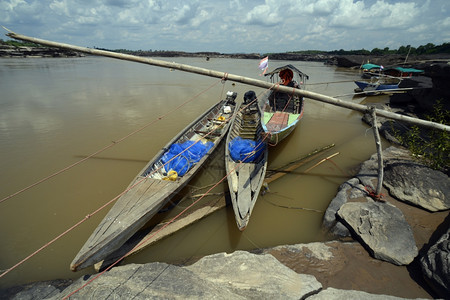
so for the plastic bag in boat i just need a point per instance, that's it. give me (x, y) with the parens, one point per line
(245, 150)
(181, 157)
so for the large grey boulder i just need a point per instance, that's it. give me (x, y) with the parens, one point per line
(368, 173)
(255, 276)
(336, 294)
(348, 190)
(383, 229)
(148, 281)
(436, 265)
(240, 275)
(36, 290)
(418, 185)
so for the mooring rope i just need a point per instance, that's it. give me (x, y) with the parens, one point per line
(142, 242)
(160, 229)
(109, 202)
(108, 146)
(118, 196)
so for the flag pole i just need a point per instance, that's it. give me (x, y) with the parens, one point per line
(264, 65)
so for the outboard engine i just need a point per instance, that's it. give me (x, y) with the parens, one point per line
(249, 97)
(231, 96)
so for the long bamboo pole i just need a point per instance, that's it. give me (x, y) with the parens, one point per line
(227, 76)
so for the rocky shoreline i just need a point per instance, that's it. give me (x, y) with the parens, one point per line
(397, 249)
(346, 61)
(41, 52)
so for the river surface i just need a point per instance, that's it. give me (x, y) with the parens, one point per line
(55, 112)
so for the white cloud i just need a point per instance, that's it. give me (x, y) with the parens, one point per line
(121, 3)
(201, 17)
(11, 5)
(12, 11)
(235, 4)
(183, 14)
(444, 24)
(231, 26)
(324, 7)
(351, 15)
(60, 7)
(397, 15)
(264, 14)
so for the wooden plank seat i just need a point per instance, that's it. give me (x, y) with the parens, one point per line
(278, 121)
(203, 133)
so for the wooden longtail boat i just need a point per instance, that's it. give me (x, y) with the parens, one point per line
(245, 159)
(378, 85)
(165, 175)
(371, 70)
(384, 80)
(281, 112)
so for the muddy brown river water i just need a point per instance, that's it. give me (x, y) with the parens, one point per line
(55, 112)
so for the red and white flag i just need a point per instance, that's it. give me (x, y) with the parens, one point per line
(263, 65)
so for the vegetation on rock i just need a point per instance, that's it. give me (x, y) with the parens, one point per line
(431, 146)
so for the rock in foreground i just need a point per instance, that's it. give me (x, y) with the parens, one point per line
(383, 229)
(240, 275)
(331, 293)
(418, 185)
(436, 265)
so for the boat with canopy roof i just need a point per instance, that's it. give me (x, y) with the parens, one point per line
(282, 112)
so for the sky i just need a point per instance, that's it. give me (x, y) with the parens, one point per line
(231, 26)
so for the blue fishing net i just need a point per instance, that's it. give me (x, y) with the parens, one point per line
(245, 150)
(187, 158)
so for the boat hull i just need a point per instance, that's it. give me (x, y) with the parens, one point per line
(152, 188)
(245, 175)
(282, 112)
(277, 125)
(277, 130)
(369, 87)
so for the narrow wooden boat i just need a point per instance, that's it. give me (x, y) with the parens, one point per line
(245, 159)
(165, 175)
(281, 112)
(369, 70)
(402, 72)
(385, 80)
(377, 85)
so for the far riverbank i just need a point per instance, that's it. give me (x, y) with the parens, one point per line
(347, 61)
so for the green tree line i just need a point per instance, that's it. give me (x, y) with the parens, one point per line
(429, 48)
(18, 43)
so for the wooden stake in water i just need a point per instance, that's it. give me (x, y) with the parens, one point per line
(379, 152)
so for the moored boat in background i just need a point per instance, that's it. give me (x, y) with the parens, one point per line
(377, 85)
(281, 112)
(369, 70)
(372, 70)
(402, 72)
(383, 80)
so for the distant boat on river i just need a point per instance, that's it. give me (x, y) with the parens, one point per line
(377, 85)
